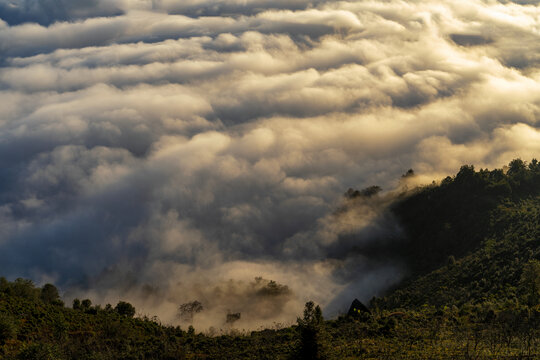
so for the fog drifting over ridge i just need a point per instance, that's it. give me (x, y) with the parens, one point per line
(161, 152)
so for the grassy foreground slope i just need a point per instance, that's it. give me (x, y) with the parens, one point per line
(473, 246)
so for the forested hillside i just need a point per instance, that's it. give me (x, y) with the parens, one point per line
(472, 244)
(480, 230)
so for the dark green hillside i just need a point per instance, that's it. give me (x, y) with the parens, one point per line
(480, 229)
(491, 273)
(455, 217)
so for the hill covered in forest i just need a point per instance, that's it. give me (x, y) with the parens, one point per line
(472, 247)
(470, 238)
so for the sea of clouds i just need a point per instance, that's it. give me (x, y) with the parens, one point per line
(165, 151)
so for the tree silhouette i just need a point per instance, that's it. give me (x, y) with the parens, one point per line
(311, 331)
(125, 308)
(49, 294)
(188, 310)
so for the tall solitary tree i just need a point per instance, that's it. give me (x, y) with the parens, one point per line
(311, 332)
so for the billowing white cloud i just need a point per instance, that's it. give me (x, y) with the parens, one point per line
(169, 151)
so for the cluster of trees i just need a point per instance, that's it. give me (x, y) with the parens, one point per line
(122, 308)
(23, 288)
(35, 324)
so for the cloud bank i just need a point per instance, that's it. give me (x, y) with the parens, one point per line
(165, 152)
